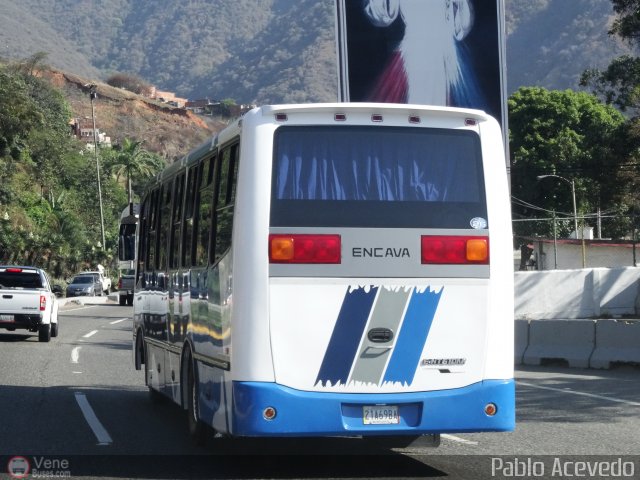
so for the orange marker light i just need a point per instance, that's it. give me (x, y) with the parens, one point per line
(281, 248)
(477, 250)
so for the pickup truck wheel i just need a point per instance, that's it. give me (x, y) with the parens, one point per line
(107, 291)
(130, 299)
(54, 329)
(122, 300)
(44, 333)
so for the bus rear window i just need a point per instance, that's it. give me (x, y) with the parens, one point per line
(376, 177)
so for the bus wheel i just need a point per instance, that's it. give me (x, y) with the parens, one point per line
(197, 429)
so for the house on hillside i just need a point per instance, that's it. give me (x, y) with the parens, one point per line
(214, 108)
(167, 97)
(82, 129)
(203, 106)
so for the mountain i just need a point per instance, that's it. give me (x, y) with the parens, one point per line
(269, 51)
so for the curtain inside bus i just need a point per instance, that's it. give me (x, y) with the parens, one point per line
(399, 171)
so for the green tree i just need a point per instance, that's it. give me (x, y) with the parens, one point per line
(619, 84)
(49, 212)
(573, 135)
(132, 160)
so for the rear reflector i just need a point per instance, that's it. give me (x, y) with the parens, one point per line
(302, 248)
(454, 250)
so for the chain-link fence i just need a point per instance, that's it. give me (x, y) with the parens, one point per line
(551, 243)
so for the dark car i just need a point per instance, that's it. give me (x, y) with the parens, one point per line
(84, 285)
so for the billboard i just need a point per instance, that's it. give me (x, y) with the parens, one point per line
(433, 52)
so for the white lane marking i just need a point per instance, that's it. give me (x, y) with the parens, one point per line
(584, 394)
(75, 354)
(118, 321)
(90, 334)
(457, 439)
(99, 431)
(76, 372)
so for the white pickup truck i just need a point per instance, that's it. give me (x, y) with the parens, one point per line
(105, 280)
(27, 301)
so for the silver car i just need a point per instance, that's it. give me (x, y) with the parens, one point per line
(84, 285)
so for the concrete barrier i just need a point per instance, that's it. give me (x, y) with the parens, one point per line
(521, 331)
(580, 293)
(75, 302)
(616, 341)
(570, 340)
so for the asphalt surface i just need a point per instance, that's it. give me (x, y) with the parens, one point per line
(76, 407)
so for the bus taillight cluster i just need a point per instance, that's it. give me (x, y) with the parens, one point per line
(454, 249)
(304, 248)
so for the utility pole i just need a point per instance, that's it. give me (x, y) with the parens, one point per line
(93, 95)
(572, 184)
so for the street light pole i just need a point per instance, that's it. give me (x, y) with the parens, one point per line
(575, 210)
(93, 95)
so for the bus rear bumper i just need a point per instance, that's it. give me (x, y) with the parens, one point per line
(299, 413)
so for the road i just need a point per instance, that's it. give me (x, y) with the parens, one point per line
(77, 406)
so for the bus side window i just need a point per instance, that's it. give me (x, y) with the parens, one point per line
(226, 196)
(142, 229)
(205, 207)
(150, 244)
(176, 223)
(189, 208)
(164, 224)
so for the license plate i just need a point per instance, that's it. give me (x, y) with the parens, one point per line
(380, 415)
(7, 318)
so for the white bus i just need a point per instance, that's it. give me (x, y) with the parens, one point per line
(332, 270)
(127, 249)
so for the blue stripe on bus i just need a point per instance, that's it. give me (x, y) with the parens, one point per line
(346, 335)
(413, 336)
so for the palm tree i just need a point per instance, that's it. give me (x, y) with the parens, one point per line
(132, 160)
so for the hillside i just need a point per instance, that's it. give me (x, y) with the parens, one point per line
(169, 131)
(263, 51)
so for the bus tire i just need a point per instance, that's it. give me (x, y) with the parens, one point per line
(197, 429)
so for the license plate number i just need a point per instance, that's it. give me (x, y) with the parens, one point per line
(380, 415)
(7, 318)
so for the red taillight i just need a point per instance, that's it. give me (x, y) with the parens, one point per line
(13, 270)
(451, 249)
(120, 284)
(43, 303)
(302, 248)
